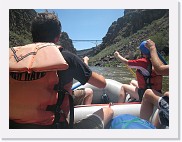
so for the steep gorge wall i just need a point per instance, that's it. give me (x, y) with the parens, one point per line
(20, 29)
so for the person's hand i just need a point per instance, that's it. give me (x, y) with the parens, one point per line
(116, 54)
(150, 44)
(86, 58)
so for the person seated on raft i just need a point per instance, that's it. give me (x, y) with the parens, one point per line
(150, 100)
(145, 74)
(151, 97)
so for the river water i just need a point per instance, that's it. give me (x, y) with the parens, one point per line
(123, 75)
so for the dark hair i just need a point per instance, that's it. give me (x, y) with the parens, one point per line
(45, 27)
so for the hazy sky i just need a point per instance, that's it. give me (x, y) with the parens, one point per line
(87, 24)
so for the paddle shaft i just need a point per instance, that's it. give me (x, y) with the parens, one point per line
(76, 85)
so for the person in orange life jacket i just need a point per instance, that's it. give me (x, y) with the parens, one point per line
(151, 97)
(146, 76)
(47, 28)
(83, 96)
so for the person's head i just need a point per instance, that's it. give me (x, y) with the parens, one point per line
(144, 50)
(46, 28)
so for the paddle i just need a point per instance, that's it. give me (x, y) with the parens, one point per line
(76, 85)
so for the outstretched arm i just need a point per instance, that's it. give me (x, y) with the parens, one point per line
(120, 58)
(97, 80)
(159, 67)
(85, 60)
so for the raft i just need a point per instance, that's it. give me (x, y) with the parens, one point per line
(111, 90)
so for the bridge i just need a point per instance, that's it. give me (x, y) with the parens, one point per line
(94, 41)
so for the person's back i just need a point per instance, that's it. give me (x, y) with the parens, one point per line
(32, 81)
(33, 74)
(146, 76)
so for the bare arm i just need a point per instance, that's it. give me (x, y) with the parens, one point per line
(97, 80)
(85, 60)
(159, 67)
(120, 58)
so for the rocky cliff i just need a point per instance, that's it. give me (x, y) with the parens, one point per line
(123, 35)
(20, 29)
(130, 23)
(19, 26)
(128, 31)
(66, 43)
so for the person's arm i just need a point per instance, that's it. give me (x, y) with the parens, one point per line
(120, 58)
(85, 60)
(97, 80)
(159, 67)
(81, 72)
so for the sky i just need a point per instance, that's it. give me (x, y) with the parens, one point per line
(86, 24)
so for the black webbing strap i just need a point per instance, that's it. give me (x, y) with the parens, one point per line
(58, 112)
(147, 78)
(71, 121)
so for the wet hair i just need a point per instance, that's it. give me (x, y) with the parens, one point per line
(45, 27)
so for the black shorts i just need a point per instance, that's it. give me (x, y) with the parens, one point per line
(164, 110)
(91, 122)
(140, 93)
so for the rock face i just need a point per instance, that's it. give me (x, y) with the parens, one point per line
(128, 31)
(19, 26)
(66, 43)
(131, 22)
(20, 29)
(123, 35)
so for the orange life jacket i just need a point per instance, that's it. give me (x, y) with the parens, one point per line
(33, 75)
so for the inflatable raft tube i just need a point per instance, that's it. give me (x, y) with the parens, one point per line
(81, 112)
(112, 90)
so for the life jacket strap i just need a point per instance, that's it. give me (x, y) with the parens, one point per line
(148, 84)
(58, 112)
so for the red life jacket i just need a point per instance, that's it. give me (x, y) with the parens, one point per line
(33, 75)
(153, 81)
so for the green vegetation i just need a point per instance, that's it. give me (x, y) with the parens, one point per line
(158, 31)
(17, 40)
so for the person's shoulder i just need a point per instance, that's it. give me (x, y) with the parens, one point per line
(71, 57)
(68, 54)
(142, 59)
(138, 60)
(64, 52)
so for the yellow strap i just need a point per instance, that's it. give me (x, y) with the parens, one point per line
(131, 71)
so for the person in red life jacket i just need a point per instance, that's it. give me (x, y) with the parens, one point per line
(145, 74)
(37, 111)
(151, 97)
